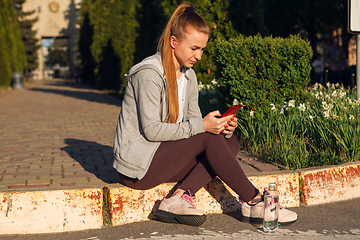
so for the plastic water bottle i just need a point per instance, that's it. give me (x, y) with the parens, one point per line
(271, 209)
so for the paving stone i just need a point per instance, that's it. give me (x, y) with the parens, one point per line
(39, 181)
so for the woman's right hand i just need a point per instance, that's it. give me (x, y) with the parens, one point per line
(214, 123)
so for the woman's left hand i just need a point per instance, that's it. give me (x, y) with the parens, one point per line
(231, 126)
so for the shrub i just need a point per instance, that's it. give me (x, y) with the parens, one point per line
(259, 71)
(13, 57)
(113, 40)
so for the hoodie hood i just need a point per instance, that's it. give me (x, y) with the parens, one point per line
(153, 62)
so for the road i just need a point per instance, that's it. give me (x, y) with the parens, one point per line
(339, 220)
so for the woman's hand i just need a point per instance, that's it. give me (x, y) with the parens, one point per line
(231, 126)
(215, 124)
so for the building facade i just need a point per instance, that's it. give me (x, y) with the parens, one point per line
(57, 19)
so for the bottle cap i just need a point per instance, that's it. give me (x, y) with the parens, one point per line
(272, 186)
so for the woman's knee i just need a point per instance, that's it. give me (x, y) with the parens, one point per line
(233, 144)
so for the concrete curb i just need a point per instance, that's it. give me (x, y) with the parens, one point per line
(128, 205)
(34, 211)
(330, 184)
(50, 211)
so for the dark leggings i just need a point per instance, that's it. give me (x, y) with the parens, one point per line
(194, 162)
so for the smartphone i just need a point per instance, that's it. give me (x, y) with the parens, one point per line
(232, 110)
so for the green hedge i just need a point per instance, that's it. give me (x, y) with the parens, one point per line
(13, 58)
(107, 41)
(261, 71)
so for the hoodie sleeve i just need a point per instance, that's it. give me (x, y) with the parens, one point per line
(149, 90)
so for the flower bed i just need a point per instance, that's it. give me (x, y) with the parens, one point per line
(324, 130)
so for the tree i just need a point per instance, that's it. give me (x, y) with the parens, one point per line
(86, 33)
(58, 53)
(12, 46)
(247, 17)
(151, 19)
(5, 68)
(115, 21)
(313, 20)
(29, 40)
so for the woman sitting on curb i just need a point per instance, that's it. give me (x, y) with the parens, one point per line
(162, 137)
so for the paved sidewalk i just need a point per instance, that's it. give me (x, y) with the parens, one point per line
(59, 134)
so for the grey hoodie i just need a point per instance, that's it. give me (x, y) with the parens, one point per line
(141, 125)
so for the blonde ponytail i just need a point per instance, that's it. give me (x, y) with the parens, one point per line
(183, 17)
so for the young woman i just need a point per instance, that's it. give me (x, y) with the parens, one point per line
(161, 135)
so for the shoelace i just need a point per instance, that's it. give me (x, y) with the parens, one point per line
(189, 198)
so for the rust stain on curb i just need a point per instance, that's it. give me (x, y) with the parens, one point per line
(50, 211)
(330, 184)
(127, 205)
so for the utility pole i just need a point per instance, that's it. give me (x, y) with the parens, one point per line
(354, 27)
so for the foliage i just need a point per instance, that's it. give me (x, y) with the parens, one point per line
(28, 36)
(5, 68)
(135, 26)
(210, 98)
(12, 49)
(322, 131)
(314, 20)
(107, 41)
(58, 53)
(114, 23)
(151, 19)
(247, 17)
(259, 71)
(86, 33)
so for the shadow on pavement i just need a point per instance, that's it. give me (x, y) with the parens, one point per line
(76, 90)
(95, 158)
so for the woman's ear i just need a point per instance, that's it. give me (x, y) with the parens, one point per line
(173, 42)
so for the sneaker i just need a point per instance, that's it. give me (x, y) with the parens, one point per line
(181, 210)
(255, 213)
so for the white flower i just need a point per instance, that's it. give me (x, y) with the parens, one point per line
(327, 96)
(311, 117)
(326, 114)
(316, 86)
(328, 84)
(291, 103)
(342, 94)
(317, 95)
(286, 106)
(201, 86)
(273, 108)
(334, 94)
(282, 111)
(214, 82)
(302, 107)
(351, 117)
(235, 102)
(251, 113)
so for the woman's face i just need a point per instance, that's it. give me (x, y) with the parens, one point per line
(188, 50)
